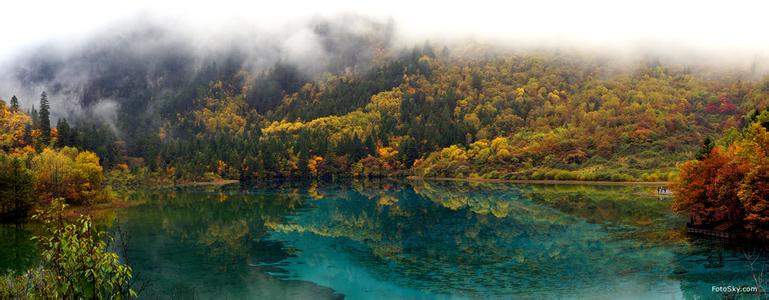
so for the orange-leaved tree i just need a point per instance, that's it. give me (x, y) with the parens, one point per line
(728, 184)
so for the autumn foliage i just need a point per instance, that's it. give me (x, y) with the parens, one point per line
(30, 175)
(730, 184)
(68, 173)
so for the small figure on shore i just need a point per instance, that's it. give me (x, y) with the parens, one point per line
(663, 190)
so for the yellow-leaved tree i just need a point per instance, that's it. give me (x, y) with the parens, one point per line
(12, 127)
(68, 173)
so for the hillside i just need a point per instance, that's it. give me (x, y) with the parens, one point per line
(465, 111)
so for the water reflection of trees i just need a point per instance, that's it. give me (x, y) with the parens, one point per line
(640, 227)
(210, 242)
(17, 251)
(474, 238)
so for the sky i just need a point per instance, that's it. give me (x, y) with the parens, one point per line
(715, 26)
(712, 33)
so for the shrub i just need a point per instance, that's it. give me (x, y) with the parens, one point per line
(75, 263)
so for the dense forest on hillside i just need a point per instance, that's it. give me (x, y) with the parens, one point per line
(473, 112)
(370, 109)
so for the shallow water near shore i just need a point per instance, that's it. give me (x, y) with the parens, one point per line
(416, 240)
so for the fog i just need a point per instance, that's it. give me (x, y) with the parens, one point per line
(89, 75)
(64, 46)
(702, 24)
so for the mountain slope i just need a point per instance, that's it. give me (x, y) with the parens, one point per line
(470, 111)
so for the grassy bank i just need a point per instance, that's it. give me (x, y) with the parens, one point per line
(572, 182)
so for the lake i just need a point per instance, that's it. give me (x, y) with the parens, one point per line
(412, 240)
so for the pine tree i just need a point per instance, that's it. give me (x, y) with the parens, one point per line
(65, 133)
(357, 151)
(45, 119)
(445, 52)
(16, 189)
(27, 134)
(409, 150)
(707, 147)
(35, 118)
(14, 104)
(370, 145)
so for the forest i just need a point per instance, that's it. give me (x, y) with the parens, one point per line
(469, 112)
(475, 111)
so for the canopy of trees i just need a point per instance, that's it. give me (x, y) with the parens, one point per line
(32, 168)
(479, 113)
(729, 183)
(471, 112)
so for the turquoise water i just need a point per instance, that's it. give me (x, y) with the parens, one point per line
(417, 240)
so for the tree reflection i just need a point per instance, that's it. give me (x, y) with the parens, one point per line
(457, 237)
(211, 243)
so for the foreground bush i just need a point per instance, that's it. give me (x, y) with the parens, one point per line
(75, 263)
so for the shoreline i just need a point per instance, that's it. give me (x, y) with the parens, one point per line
(205, 183)
(531, 181)
(99, 209)
(95, 211)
